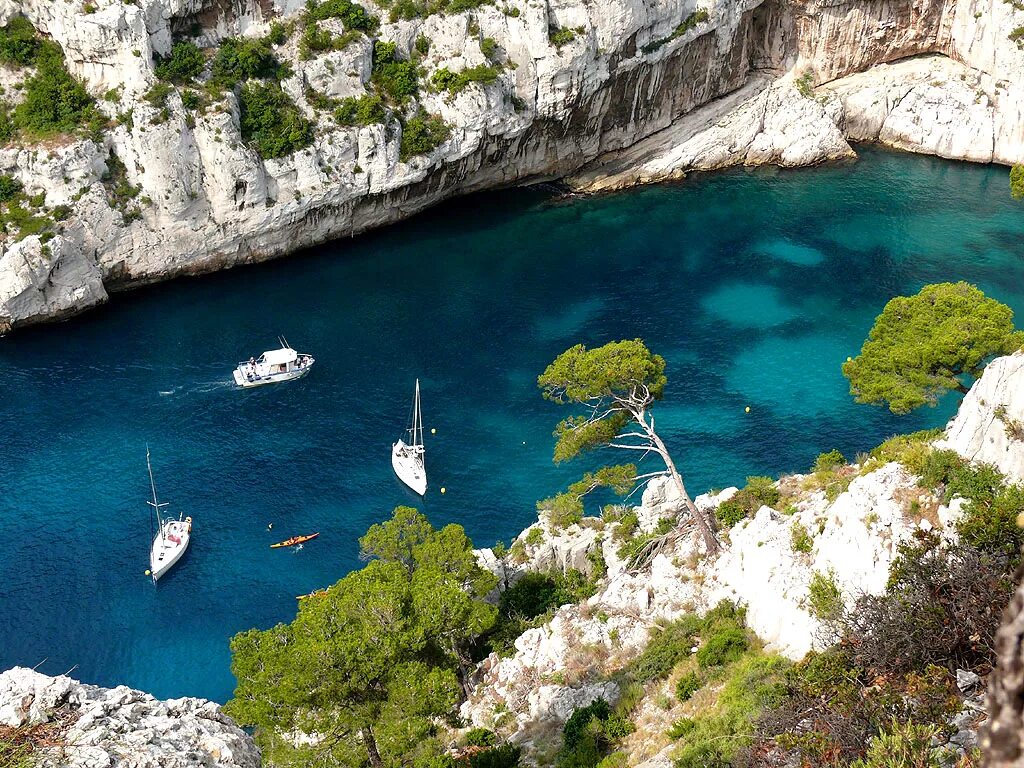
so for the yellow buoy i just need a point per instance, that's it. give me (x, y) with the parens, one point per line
(747, 409)
(433, 431)
(849, 359)
(148, 572)
(443, 489)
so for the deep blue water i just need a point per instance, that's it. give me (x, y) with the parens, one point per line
(754, 286)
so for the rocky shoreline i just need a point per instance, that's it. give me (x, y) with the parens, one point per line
(637, 93)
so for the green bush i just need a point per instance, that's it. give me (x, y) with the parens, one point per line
(902, 745)
(367, 109)
(396, 78)
(1017, 177)
(480, 737)
(688, 685)
(560, 36)
(912, 451)
(589, 733)
(421, 134)
(535, 536)
(157, 95)
(726, 645)
(827, 462)
(759, 491)
(938, 467)
(826, 601)
(456, 82)
(668, 645)
(800, 539)
(352, 15)
(505, 756)
(272, 122)
(55, 102)
(713, 738)
(183, 66)
(990, 524)
(243, 58)
(10, 188)
(19, 42)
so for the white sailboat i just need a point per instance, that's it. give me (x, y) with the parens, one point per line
(172, 536)
(407, 458)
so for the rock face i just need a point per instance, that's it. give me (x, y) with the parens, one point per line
(1003, 737)
(636, 95)
(101, 727)
(989, 427)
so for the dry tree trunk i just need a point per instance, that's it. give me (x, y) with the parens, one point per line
(1002, 739)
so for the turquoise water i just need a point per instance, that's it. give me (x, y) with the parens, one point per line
(754, 286)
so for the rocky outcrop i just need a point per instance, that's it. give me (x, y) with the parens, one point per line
(989, 427)
(91, 727)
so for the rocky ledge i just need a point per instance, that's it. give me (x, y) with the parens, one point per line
(82, 726)
(606, 94)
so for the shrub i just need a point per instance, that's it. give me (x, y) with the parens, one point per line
(938, 468)
(398, 79)
(19, 42)
(990, 525)
(903, 745)
(489, 48)
(184, 65)
(422, 45)
(826, 601)
(535, 536)
(726, 645)
(6, 123)
(560, 36)
(10, 188)
(421, 134)
(191, 100)
(942, 606)
(55, 102)
(1017, 180)
(455, 82)
(505, 756)
(271, 122)
(614, 760)
(352, 15)
(668, 645)
(157, 95)
(759, 491)
(364, 110)
(800, 539)
(589, 733)
(688, 685)
(242, 58)
(827, 462)
(480, 737)
(911, 450)
(718, 734)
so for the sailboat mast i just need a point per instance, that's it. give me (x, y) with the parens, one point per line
(154, 502)
(417, 418)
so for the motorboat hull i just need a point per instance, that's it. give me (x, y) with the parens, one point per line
(165, 552)
(408, 465)
(271, 378)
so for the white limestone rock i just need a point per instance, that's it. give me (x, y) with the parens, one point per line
(121, 726)
(985, 427)
(46, 280)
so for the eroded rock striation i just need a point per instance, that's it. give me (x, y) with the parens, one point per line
(635, 91)
(90, 727)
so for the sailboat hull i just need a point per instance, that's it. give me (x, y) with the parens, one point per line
(168, 548)
(407, 461)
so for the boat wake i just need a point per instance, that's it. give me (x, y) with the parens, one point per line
(200, 388)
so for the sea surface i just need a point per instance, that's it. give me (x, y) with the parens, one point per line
(755, 286)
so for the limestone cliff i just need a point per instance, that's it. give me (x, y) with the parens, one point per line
(642, 91)
(82, 726)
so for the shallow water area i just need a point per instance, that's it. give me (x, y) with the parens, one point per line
(755, 288)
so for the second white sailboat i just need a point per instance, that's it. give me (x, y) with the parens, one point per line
(407, 459)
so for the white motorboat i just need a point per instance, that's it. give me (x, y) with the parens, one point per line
(272, 366)
(407, 458)
(172, 536)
